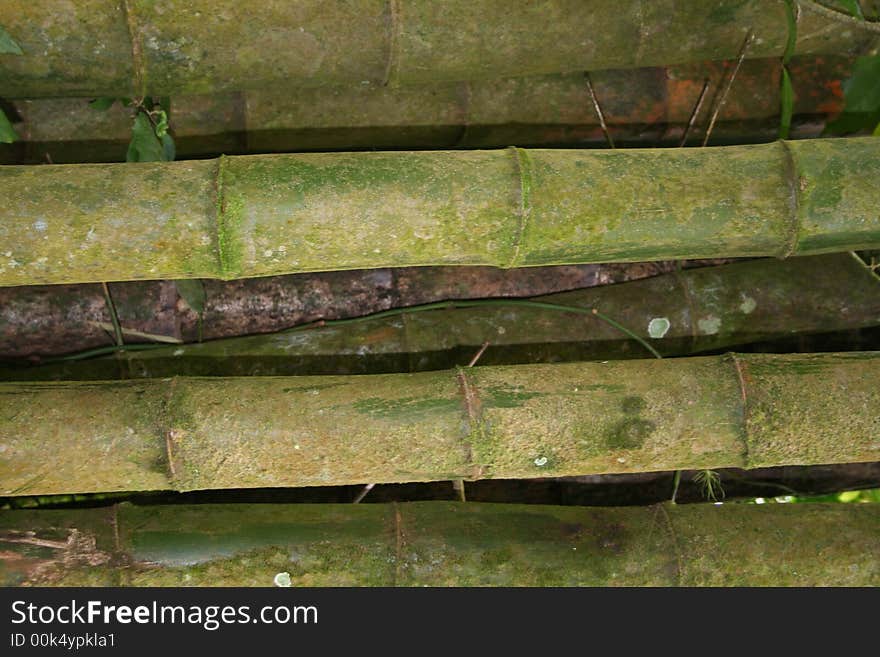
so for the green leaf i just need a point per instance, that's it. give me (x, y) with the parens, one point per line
(862, 90)
(102, 104)
(853, 7)
(7, 132)
(876, 132)
(193, 293)
(786, 104)
(791, 41)
(8, 45)
(145, 145)
(862, 98)
(169, 147)
(161, 123)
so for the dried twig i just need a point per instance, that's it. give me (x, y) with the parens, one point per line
(598, 110)
(723, 95)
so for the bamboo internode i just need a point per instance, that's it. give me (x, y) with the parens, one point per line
(239, 217)
(442, 544)
(747, 410)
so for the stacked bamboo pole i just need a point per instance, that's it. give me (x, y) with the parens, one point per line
(262, 215)
(744, 410)
(139, 47)
(442, 544)
(647, 106)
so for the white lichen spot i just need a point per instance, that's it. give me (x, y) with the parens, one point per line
(179, 352)
(541, 461)
(282, 249)
(268, 253)
(748, 304)
(40, 225)
(501, 330)
(296, 446)
(283, 579)
(709, 325)
(620, 459)
(658, 327)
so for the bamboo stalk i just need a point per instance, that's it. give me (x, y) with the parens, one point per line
(262, 215)
(646, 106)
(680, 313)
(526, 421)
(443, 544)
(139, 47)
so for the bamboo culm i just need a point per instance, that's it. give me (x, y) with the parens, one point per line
(746, 411)
(645, 106)
(442, 544)
(680, 313)
(239, 217)
(140, 47)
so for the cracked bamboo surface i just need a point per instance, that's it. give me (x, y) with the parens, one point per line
(747, 411)
(239, 217)
(689, 311)
(443, 544)
(140, 47)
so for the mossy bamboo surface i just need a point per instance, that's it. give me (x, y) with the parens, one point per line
(248, 216)
(140, 47)
(643, 106)
(688, 311)
(525, 421)
(443, 544)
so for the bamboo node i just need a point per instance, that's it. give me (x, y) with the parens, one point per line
(138, 66)
(474, 420)
(741, 379)
(223, 241)
(796, 184)
(393, 29)
(523, 165)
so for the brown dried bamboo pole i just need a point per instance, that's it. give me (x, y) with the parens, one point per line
(526, 421)
(679, 313)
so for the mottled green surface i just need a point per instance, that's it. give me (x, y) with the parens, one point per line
(100, 47)
(526, 421)
(443, 544)
(239, 217)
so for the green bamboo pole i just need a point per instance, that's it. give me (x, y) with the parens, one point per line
(643, 106)
(138, 47)
(239, 217)
(443, 544)
(681, 313)
(525, 421)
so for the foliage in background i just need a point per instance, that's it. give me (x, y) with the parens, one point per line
(861, 92)
(862, 97)
(8, 46)
(786, 92)
(150, 139)
(870, 495)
